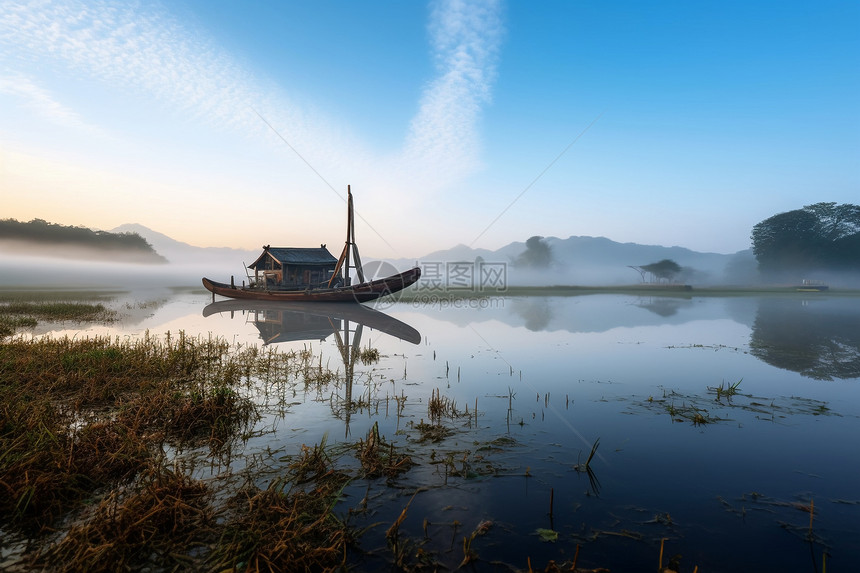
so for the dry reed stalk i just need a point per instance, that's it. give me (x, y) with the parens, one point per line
(278, 530)
(151, 526)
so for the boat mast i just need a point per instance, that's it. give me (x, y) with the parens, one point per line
(349, 246)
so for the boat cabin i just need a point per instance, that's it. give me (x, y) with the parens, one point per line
(293, 268)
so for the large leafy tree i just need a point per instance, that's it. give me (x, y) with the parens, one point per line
(836, 222)
(817, 237)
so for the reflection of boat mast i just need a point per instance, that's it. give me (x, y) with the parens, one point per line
(280, 322)
(349, 352)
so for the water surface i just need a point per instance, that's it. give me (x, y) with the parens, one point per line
(726, 481)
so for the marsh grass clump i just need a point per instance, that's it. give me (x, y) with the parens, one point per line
(38, 477)
(727, 390)
(155, 524)
(690, 413)
(49, 465)
(205, 414)
(315, 375)
(81, 416)
(368, 355)
(439, 406)
(83, 427)
(380, 458)
(432, 432)
(18, 310)
(580, 467)
(61, 310)
(109, 452)
(284, 528)
(10, 324)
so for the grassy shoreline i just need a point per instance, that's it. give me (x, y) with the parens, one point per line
(23, 310)
(86, 427)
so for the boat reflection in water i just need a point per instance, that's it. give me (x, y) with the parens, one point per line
(296, 321)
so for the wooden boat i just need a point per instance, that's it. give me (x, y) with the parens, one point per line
(312, 275)
(361, 292)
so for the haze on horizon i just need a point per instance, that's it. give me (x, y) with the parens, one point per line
(233, 124)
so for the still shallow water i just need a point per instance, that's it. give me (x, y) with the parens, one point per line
(727, 481)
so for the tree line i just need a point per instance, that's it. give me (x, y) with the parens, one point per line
(42, 232)
(819, 237)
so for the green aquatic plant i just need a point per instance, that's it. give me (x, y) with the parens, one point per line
(726, 390)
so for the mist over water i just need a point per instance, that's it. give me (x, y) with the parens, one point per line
(64, 273)
(577, 261)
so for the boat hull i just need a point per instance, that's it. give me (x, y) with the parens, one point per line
(363, 292)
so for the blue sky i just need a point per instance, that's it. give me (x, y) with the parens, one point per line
(482, 123)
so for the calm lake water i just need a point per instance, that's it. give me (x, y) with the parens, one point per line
(726, 480)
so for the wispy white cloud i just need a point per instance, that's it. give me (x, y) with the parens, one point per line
(130, 46)
(466, 36)
(42, 102)
(144, 49)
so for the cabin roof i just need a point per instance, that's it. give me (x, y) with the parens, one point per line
(296, 256)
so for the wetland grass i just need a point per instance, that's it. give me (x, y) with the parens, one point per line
(696, 409)
(368, 355)
(439, 408)
(283, 528)
(726, 390)
(158, 524)
(83, 428)
(379, 458)
(10, 324)
(23, 309)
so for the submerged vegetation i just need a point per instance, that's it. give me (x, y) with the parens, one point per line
(718, 403)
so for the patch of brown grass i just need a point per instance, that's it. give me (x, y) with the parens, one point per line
(157, 524)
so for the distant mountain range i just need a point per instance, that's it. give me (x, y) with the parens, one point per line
(575, 260)
(583, 260)
(586, 261)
